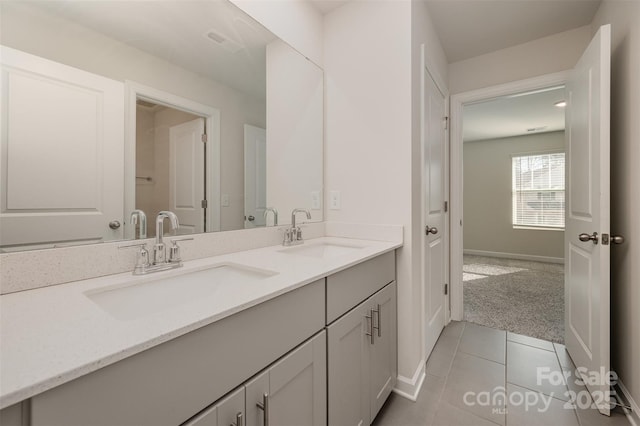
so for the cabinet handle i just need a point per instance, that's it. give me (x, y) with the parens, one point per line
(377, 312)
(370, 325)
(239, 420)
(264, 406)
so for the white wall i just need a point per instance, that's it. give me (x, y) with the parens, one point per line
(296, 22)
(546, 55)
(624, 17)
(294, 132)
(488, 197)
(372, 72)
(35, 32)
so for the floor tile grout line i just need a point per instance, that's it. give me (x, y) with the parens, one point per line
(506, 393)
(481, 357)
(446, 377)
(449, 372)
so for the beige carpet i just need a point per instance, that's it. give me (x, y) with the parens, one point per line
(515, 295)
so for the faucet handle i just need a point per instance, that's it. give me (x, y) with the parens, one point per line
(142, 258)
(174, 250)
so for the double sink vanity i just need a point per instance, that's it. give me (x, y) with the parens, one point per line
(302, 335)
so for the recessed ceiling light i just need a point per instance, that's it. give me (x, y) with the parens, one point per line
(561, 104)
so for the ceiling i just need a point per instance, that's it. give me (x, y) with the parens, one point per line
(183, 33)
(468, 28)
(514, 115)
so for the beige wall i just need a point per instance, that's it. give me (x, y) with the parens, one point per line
(372, 72)
(294, 132)
(624, 17)
(488, 203)
(547, 55)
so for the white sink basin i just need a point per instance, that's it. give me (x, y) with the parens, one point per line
(153, 294)
(321, 250)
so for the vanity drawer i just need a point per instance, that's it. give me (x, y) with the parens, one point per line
(168, 384)
(346, 289)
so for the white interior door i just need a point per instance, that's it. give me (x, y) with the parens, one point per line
(434, 234)
(255, 176)
(186, 175)
(587, 174)
(62, 156)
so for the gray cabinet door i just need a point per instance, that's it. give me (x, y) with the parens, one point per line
(229, 411)
(383, 353)
(348, 368)
(295, 388)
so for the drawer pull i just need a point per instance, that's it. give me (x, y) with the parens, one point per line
(370, 326)
(264, 406)
(239, 420)
(373, 322)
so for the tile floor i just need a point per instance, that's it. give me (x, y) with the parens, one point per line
(480, 376)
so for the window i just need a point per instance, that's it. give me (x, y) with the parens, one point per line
(538, 191)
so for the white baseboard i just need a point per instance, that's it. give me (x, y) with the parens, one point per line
(516, 256)
(634, 414)
(410, 387)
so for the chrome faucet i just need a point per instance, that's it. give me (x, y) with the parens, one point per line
(275, 215)
(159, 249)
(159, 261)
(293, 235)
(139, 218)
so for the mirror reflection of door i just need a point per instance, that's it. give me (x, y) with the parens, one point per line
(170, 165)
(255, 176)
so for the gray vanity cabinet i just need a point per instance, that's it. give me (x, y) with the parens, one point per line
(170, 383)
(293, 390)
(362, 359)
(228, 412)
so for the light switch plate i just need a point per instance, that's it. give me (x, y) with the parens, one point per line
(334, 200)
(315, 200)
(224, 201)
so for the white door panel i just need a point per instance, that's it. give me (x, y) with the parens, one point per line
(62, 157)
(186, 174)
(587, 264)
(435, 262)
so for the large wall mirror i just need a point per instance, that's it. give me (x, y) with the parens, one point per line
(109, 107)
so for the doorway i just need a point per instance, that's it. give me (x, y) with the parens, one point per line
(513, 193)
(172, 159)
(170, 165)
(458, 222)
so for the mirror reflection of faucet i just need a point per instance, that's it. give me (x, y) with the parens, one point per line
(293, 235)
(275, 216)
(139, 219)
(159, 261)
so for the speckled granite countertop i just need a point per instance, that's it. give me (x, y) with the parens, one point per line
(52, 335)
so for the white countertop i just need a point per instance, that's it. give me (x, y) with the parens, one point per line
(52, 335)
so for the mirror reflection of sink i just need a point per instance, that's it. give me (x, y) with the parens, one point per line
(321, 250)
(154, 294)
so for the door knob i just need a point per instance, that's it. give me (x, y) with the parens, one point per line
(617, 239)
(428, 230)
(586, 237)
(251, 218)
(114, 224)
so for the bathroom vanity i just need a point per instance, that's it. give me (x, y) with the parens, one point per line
(310, 339)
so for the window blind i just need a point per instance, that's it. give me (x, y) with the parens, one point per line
(538, 190)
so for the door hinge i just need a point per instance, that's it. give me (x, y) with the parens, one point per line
(446, 206)
(204, 138)
(446, 123)
(446, 289)
(204, 204)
